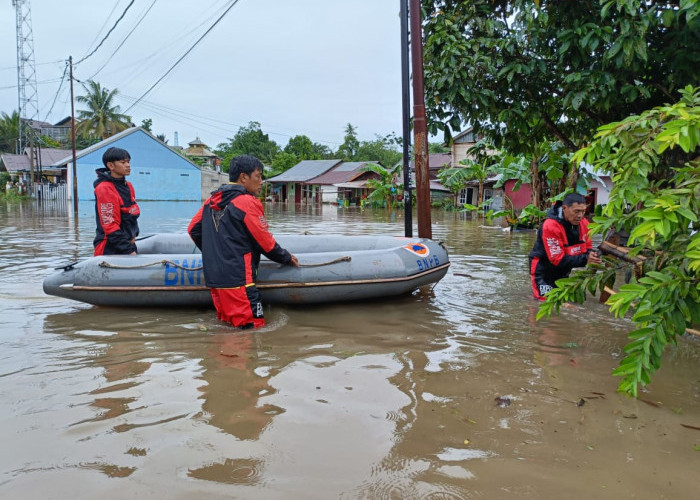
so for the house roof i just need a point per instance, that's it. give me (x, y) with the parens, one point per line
(305, 170)
(466, 136)
(48, 156)
(345, 172)
(111, 140)
(199, 151)
(437, 186)
(353, 184)
(436, 161)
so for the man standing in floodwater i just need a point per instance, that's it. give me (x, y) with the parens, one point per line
(231, 231)
(562, 244)
(116, 210)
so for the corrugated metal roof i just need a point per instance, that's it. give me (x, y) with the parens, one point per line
(353, 184)
(48, 156)
(436, 161)
(345, 172)
(305, 170)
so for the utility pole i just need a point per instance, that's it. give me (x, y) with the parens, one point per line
(420, 126)
(72, 133)
(406, 113)
(27, 97)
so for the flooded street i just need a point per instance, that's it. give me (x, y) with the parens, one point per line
(454, 392)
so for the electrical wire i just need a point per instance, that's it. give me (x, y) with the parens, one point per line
(141, 18)
(136, 68)
(65, 70)
(104, 24)
(188, 118)
(108, 33)
(233, 3)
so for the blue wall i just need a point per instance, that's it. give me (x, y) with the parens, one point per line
(157, 172)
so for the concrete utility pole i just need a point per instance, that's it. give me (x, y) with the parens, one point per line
(406, 112)
(27, 97)
(420, 126)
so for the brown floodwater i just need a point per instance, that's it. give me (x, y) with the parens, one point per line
(453, 392)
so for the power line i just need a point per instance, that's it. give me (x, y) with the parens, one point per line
(104, 24)
(179, 115)
(141, 18)
(108, 33)
(184, 55)
(65, 70)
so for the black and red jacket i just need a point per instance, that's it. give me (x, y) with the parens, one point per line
(560, 246)
(231, 231)
(116, 213)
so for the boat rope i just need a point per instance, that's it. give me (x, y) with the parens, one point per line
(109, 265)
(163, 262)
(347, 258)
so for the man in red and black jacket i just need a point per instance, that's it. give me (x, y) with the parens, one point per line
(562, 244)
(231, 231)
(116, 210)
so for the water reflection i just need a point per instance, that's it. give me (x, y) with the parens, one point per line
(385, 399)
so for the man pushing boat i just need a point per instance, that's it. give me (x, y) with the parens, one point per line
(231, 231)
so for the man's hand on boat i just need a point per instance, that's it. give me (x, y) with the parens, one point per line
(294, 262)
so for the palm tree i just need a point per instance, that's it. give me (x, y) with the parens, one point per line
(9, 132)
(102, 118)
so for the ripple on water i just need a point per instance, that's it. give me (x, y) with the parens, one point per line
(242, 471)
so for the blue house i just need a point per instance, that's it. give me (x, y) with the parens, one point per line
(157, 172)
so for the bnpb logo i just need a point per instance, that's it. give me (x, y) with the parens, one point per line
(418, 249)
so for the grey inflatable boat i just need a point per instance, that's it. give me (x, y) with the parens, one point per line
(168, 272)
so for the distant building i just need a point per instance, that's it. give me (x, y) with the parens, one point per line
(290, 186)
(60, 131)
(436, 162)
(461, 143)
(199, 153)
(346, 183)
(20, 167)
(157, 172)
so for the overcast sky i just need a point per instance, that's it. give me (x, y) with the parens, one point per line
(296, 66)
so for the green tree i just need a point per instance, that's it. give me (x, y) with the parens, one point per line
(437, 147)
(529, 74)
(384, 150)
(102, 118)
(147, 124)
(282, 162)
(387, 188)
(653, 159)
(322, 151)
(302, 148)
(9, 132)
(250, 140)
(347, 151)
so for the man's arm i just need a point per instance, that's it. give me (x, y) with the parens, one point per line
(195, 227)
(554, 239)
(256, 223)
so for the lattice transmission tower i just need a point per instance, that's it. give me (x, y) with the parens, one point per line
(27, 97)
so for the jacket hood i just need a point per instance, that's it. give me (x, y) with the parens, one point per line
(556, 213)
(220, 198)
(103, 174)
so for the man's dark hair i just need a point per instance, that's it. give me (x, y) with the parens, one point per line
(243, 164)
(572, 198)
(115, 154)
